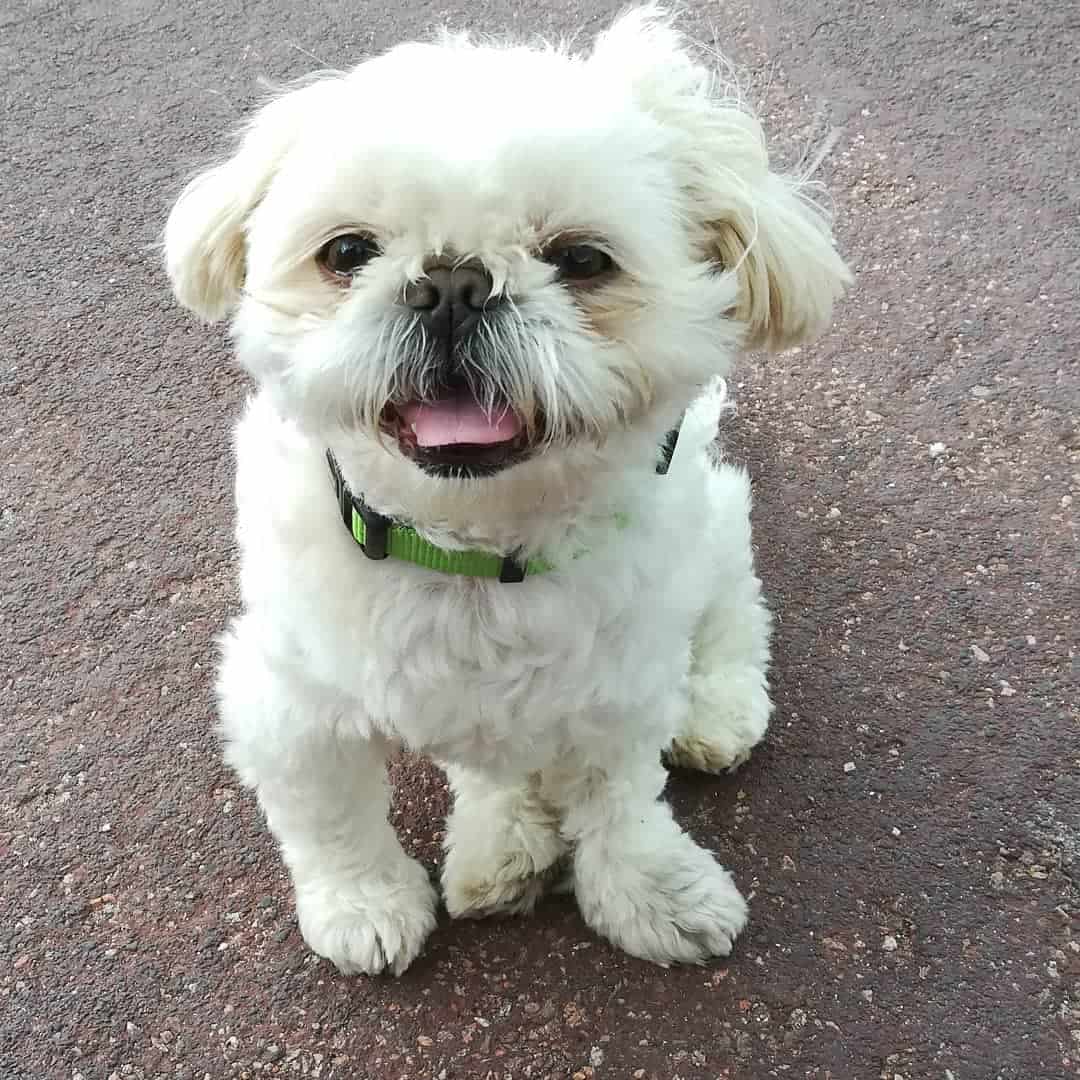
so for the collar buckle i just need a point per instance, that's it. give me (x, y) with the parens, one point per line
(511, 570)
(376, 542)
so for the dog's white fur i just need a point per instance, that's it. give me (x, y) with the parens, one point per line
(549, 701)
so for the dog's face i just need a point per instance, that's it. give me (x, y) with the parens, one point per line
(479, 256)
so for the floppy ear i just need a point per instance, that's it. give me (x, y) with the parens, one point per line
(750, 221)
(781, 248)
(204, 236)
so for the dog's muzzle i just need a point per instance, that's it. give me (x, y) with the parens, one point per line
(448, 431)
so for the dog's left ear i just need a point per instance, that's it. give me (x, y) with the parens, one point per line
(781, 249)
(749, 220)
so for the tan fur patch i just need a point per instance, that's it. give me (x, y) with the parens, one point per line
(610, 310)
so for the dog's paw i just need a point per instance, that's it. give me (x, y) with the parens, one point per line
(674, 906)
(511, 886)
(501, 863)
(729, 714)
(369, 926)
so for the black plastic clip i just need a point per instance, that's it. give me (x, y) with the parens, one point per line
(376, 543)
(511, 571)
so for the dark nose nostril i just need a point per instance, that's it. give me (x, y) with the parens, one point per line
(471, 287)
(421, 295)
(428, 293)
(450, 303)
(465, 286)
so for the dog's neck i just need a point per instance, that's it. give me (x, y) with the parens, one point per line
(530, 507)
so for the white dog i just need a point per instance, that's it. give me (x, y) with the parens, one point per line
(477, 285)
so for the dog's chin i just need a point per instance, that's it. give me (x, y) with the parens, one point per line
(451, 437)
(466, 462)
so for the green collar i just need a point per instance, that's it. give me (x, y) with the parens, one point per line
(379, 536)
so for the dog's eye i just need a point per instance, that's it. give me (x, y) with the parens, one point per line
(580, 262)
(346, 254)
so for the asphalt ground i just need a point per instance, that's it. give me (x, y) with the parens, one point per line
(908, 833)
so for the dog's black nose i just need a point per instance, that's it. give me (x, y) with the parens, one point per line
(451, 301)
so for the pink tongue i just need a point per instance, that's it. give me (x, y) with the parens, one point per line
(456, 420)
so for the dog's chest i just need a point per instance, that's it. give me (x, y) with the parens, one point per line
(471, 670)
(463, 664)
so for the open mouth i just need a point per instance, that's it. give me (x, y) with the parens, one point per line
(454, 435)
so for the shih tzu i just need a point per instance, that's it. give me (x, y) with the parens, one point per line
(486, 292)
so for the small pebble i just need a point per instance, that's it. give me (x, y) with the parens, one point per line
(937, 449)
(980, 655)
(889, 944)
(895, 831)
(849, 766)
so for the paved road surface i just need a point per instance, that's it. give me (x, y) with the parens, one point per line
(915, 915)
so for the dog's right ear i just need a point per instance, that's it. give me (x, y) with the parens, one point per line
(204, 237)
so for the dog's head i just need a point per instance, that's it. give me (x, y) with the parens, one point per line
(479, 256)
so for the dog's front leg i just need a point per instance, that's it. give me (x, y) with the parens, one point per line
(640, 881)
(361, 901)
